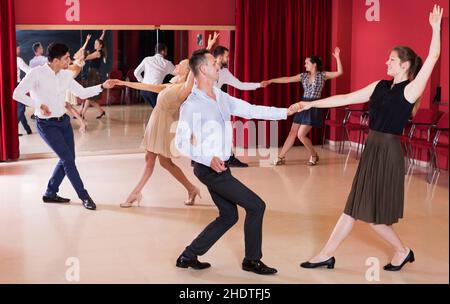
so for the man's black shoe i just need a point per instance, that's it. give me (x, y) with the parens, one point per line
(234, 162)
(185, 262)
(89, 204)
(56, 199)
(257, 267)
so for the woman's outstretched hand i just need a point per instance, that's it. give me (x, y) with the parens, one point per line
(336, 52)
(436, 17)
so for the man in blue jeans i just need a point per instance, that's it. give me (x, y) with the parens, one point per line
(47, 86)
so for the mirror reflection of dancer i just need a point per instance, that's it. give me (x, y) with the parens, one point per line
(377, 194)
(76, 67)
(22, 66)
(97, 57)
(38, 60)
(158, 139)
(313, 82)
(155, 68)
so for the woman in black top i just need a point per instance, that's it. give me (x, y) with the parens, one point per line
(94, 77)
(378, 187)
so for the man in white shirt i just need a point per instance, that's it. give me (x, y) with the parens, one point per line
(155, 68)
(204, 133)
(47, 86)
(38, 59)
(222, 56)
(22, 66)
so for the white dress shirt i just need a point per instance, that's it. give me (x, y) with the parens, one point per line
(46, 87)
(225, 77)
(204, 128)
(38, 61)
(155, 68)
(21, 65)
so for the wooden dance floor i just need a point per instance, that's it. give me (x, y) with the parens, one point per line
(140, 244)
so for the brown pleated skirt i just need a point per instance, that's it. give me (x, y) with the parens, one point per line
(377, 194)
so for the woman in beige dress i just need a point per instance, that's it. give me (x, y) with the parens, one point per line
(75, 67)
(158, 139)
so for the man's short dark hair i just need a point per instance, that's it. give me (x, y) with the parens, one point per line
(160, 47)
(198, 57)
(35, 46)
(220, 50)
(56, 51)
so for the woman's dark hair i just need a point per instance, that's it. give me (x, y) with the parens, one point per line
(103, 50)
(56, 51)
(407, 54)
(316, 60)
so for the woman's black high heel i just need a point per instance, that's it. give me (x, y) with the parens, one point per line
(101, 115)
(409, 258)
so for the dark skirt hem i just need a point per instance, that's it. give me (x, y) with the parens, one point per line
(372, 221)
(377, 194)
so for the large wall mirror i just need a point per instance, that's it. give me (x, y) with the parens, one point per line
(127, 113)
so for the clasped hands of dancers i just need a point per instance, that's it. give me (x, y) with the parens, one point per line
(392, 103)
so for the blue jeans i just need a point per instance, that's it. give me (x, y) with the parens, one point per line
(150, 97)
(59, 136)
(21, 117)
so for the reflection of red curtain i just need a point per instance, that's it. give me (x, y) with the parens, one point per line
(180, 46)
(9, 141)
(131, 50)
(273, 38)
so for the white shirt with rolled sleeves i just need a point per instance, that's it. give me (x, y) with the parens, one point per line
(204, 128)
(46, 87)
(155, 68)
(225, 77)
(21, 66)
(37, 61)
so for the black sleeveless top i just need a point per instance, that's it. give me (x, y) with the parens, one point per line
(97, 62)
(389, 111)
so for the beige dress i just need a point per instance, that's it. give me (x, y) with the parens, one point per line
(70, 98)
(160, 131)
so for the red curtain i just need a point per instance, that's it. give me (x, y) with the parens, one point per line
(273, 38)
(9, 140)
